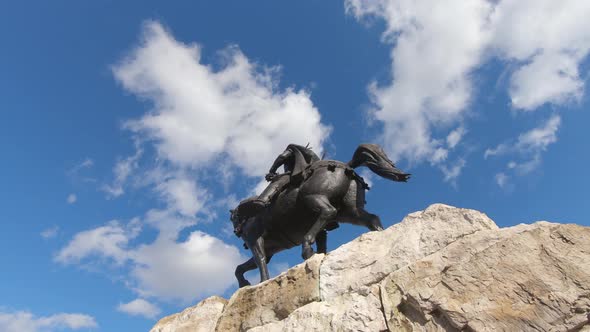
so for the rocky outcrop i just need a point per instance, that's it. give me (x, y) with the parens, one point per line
(201, 318)
(529, 277)
(374, 255)
(274, 299)
(441, 269)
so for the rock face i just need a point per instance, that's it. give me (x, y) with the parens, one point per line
(200, 318)
(274, 299)
(441, 269)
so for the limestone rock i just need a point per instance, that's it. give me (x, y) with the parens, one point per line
(441, 269)
(273, 300)
(348, 312)
(368, 259)
(529, 277)
(199, 318)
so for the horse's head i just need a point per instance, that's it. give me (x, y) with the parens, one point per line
(233, 217)
(236, 221)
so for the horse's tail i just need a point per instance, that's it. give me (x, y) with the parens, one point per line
(373, 157)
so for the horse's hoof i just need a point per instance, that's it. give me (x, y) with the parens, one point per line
(307, 253)
(244, 284)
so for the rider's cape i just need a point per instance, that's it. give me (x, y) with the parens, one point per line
(303, 157)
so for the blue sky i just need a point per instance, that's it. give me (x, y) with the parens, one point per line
(128, 130)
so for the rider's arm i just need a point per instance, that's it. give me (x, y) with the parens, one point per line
(280, 160)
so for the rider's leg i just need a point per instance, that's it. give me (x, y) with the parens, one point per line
(274, 188)
(251, 208)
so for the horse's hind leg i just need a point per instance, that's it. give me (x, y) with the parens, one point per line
(326, 212)
(372, 221)
(321, 241)
(243, 268)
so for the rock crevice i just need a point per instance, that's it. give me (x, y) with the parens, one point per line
(441, 269)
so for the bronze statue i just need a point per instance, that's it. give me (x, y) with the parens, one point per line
(321, 193)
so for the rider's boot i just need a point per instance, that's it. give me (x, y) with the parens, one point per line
(253, 207)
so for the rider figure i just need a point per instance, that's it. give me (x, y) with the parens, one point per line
(294, 160)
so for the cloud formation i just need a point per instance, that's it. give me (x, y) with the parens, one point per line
(166, 268)
(23, 321)
(201, 114)
(528, 147)
(501, 179)
(547, 40)
(140, 307)
(50, 232)
(123, 170)
(437, 47)
(72, 198)
(108, 241)
(199, 266)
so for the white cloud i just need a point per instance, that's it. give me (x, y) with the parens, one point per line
(167, 269)
(182, 195)
(498, 150)
(109, 241)
(451, 173)
(526, 166)
(76, 170)
(454, 137)
(214, 119)
(550, 77)
(548, 39)
(501, 179)
(122, 170)
(72, 198)
(539, 138)
(50, 232)
(23, 321)
(168, 223)
(199, 266)
(531, 142)
(140, 307)
(437, 47)
(528, 146)
(86, 163)
(201, 114)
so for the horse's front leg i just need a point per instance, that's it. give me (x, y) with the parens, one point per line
(260, 258)
(326, 212)
(243, 268)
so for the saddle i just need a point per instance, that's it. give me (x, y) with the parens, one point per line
(331, 165)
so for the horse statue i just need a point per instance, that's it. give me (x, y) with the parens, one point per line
(332, 192)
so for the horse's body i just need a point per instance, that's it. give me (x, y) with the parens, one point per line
(299, 215)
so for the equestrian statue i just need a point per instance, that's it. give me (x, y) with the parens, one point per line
(308, 199)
